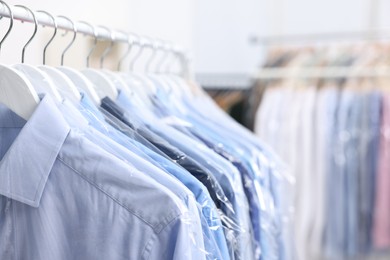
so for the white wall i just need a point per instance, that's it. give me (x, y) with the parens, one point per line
(222, 27)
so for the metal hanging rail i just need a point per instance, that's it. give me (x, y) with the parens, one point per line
(22, 14)
(326, 72)
(373, 34)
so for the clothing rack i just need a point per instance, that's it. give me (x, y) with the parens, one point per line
(326, 72)
(43, 19)
(323, 72)
(373, 34)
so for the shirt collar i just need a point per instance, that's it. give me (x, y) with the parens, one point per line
(26, 166)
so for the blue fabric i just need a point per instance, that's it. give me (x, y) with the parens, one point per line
(337, 228)
(332, 199)
(268, 172)
(258, 189)
(240, 202)
(221, 145)
(229, 206)
(215, 243)
(370, 125)
(352, 172)
(175, 154)
(63, 197)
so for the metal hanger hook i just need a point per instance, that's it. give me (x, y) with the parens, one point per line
(171, 59)
(52, 37)
(155, 46)
(166, 48)
(130, 43)
(35, 29)
(142, 43)
(109, 48)
(11, 23)
(73, 39)
(95, 35)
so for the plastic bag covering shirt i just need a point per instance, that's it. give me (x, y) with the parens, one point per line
(229, 217)
(272, 245)
(174, 153)
(271, 248)
(79, 124)
(260, 196)
(78, 201)
(268, 163)
(233, 152)
(231, 184)
(215, 244)
(162, 109)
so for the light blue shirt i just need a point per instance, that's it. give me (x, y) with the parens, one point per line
(256, 171)
(63, 197)
(214, 239)
(238, 227)
(268, 172)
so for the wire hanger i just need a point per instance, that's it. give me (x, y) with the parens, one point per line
(39, 79)
(118, 82)
(159, 80)
(165, 48)
(95, 41)
(141, 83)
(80, 81)
(141, 44)
(134, 82)
(52, 37)
(73, 39)
(16, 91)
(154, 46)
(104, 87)
(34, 33)
(63, 84)
(109, 48)
(168, 61)
(130, 43)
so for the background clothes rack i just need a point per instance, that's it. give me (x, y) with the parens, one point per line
(365, 36)
(326, 37)
(321, 72)
(324, 111)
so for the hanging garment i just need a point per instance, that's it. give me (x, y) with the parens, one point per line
(214, 227)
(380, 232)
(369, 143)
(54, 171)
